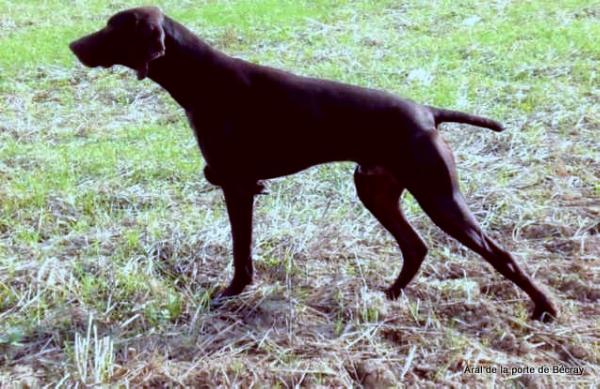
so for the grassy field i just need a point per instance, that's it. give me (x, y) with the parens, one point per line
(111, 241)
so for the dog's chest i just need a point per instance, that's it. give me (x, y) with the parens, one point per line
(217, 139)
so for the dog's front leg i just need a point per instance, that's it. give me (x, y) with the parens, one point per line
(240, 201)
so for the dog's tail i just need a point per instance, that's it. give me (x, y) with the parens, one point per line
(444, 115)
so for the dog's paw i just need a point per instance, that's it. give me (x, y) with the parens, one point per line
(221, 297)
(545, 312)
(392, 293)
(219, 300)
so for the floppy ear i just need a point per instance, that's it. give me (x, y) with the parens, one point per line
(153, 35)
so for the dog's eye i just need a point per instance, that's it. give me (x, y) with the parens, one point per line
(120, 20)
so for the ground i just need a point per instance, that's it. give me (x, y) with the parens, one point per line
(111, 241)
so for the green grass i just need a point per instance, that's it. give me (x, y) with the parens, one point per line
(107, 225)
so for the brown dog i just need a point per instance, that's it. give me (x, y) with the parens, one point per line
(253, 122)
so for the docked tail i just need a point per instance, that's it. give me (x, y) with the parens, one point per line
(444, 115)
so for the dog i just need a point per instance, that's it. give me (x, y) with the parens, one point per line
(254, 123)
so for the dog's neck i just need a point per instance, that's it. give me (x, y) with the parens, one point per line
(186, 54)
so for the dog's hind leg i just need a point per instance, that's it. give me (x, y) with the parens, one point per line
(451, 214)
(434, 184)
(380, 192)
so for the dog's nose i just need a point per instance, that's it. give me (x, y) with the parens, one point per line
(82, 52)
(74, 46)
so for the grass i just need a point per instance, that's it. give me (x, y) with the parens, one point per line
(111, 242)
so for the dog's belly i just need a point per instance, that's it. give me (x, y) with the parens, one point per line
(275, 156)
(277, 168)
(254, 149)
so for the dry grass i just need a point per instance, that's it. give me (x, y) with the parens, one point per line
(111, 243)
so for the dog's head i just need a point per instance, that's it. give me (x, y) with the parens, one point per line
(133, 38)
